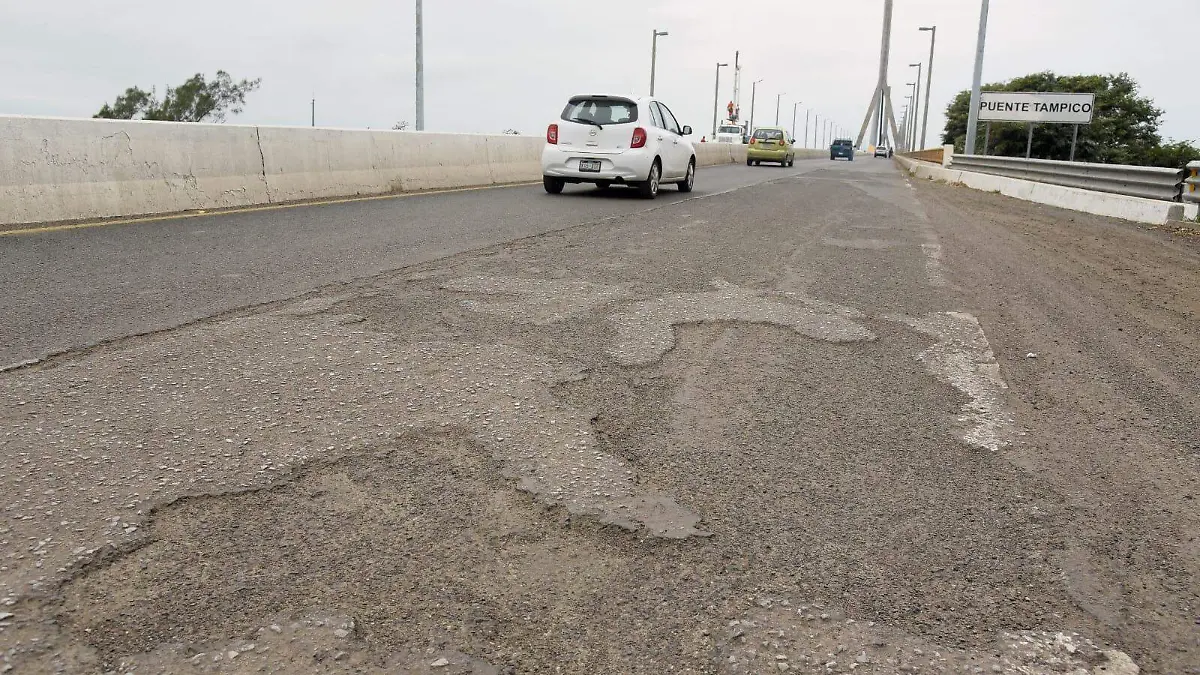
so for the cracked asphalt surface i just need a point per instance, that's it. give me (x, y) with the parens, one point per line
(822, 420)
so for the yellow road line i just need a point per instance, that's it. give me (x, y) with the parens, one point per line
(247, 209)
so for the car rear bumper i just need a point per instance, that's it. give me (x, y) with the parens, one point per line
(767, 155)
(628, 166)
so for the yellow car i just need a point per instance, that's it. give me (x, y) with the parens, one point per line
(771, 144)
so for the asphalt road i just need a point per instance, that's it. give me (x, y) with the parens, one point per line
(71, 288)
(833, 422)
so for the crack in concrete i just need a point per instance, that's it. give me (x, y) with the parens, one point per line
(263, 159)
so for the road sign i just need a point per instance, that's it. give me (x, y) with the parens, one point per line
(1056, 108)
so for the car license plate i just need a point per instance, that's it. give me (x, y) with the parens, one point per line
(592, 165)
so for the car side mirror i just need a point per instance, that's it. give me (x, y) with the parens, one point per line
(792, 141)
(687, 131)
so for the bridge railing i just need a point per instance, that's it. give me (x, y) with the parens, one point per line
(1134, 181)
(935, 155)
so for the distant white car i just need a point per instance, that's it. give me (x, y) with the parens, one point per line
(608, 140)
(883, 151)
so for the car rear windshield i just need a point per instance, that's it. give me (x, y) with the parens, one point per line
(843, 143)
(729, 130)
(768, 134)
(601, 111)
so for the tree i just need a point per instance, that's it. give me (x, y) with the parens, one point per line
(195, 100)
(400, 126)
(511, 132)
(1124, 128)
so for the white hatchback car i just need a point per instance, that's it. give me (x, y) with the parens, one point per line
(609, 140)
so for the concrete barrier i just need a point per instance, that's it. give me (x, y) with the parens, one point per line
(61, 169)
(1137, 209)
(935, 155)
(74, 169)
(712, 154)
(319, 163)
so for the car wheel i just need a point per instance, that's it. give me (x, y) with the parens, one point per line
(649, 188)
(689, 181)
(792, 161)
(749, 162)
(553, 185)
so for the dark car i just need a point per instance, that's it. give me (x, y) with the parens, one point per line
(842, 147)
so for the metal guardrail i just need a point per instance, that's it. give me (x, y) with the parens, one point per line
(1191, 184)
(1148, 182)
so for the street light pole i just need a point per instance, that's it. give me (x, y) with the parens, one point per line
(795, 108)
(420, 69)
(753, 96)
(973, 117)
(928, 80)
(717, 98)
(917, 109)
(807, 112)
(654, 55)
(778, 98)
(912, 96)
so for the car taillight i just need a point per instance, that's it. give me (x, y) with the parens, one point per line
(552, 134)
(639, 138)
(753, 141)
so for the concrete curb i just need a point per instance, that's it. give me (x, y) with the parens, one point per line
(1136, 209)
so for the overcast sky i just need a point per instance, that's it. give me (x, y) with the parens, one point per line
(495, 64)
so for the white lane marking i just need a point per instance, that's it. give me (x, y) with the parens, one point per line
(933, 260)
(962, 358)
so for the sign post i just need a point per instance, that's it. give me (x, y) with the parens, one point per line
(1036, 108)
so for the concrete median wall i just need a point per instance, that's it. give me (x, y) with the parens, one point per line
(319, 163)
(58, 169)
(74, 169)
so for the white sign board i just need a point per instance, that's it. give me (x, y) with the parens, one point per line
(1010, 106)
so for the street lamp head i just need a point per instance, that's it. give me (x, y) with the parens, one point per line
(915, 65)
(927, 28)
(722, 65)
(661, 33)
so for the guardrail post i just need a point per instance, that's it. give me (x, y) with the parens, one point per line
(1191, 184)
